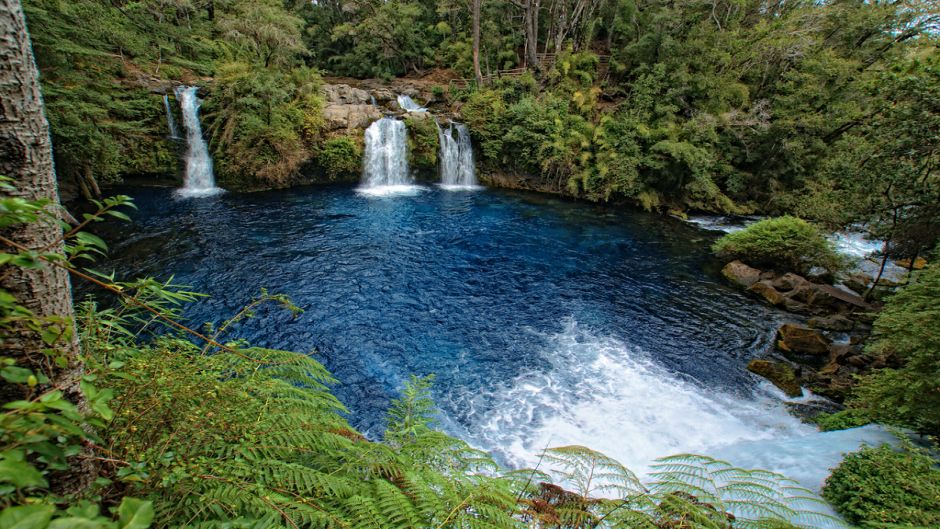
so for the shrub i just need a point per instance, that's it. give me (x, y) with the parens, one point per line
(785, 243)
(423, 142)
(340, 156)
(906, 330)
(884, 486)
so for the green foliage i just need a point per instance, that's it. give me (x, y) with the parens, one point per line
(875, 487)
(340, 156)
(264, 123)
(840, 420)
(784, 243)
(906, 330)
(43, 433)
(423, 141)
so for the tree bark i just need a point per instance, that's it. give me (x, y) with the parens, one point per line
(532, 33)
(477, 74)
(26, 158)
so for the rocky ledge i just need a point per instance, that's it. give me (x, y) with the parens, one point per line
(824, 349)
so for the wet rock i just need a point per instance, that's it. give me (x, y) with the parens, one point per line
(808, 411)
(795, 306)
(741, 274)
(836, 322)
(768, 292)
(839, 352)
(802, 340)
(779, 374)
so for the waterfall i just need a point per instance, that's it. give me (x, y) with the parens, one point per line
(376, 105)
(457, 168)
(408, 104)
(171, 122)
(385, 166)
(199, 180)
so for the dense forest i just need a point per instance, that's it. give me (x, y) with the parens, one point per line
(120, 413)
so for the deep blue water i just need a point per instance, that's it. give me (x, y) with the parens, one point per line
(545, 321)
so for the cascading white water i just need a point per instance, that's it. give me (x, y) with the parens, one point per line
(385, 163)
(457, 168)
(170, 120)
(199, 180)
(408, 104)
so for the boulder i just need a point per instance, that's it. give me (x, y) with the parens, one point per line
(830, 297)
(858, 283)
(789, 281)
(779, 373)
(341, 116)
(798, 339)
(343, 94)
(740, 273)
(839, 352)
(919, 263)
(768, 292)
(836, 322)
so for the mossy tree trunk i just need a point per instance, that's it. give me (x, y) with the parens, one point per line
(26, 157)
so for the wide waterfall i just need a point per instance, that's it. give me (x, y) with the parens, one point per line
(199, 180)
(170, 120)
(385, 163)
(457, 169)
(408, 104)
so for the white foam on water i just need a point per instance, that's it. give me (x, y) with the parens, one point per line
(391, 190)
(457, 187)
(606, 394)
(807, 459)
(409, 105)
(197, 193)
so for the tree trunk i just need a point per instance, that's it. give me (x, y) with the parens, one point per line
(532, 33)
(477, 74)
(26, 157)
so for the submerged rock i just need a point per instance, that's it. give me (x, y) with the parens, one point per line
(741, 274)
(779, 374)
(798, 339)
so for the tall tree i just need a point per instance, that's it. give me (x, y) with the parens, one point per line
(26, 157)
(477, 74)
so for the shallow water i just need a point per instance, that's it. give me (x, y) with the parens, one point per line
(546, 322)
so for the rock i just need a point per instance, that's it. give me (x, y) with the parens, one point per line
(343, 94)
(349, 116)
(740, 273)
(789, 281)
(858, 283)
(839, 353)
(919, 263)
(820, 275)
(779, 373)
(809, 411)
(830, 297)
(795, 306)
(768, 292)
(836, 322)
(802, 340)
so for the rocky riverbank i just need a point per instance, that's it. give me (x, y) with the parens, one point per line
(823, 349)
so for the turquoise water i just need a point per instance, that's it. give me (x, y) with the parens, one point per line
(546, 322)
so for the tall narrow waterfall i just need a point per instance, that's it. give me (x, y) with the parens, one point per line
(199, 180)
(385, 165)
(457, 168)
(170, 120)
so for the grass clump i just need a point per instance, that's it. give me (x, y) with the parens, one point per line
(786, 243)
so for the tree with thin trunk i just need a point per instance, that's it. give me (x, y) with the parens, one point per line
(477, 74)
(26, 158)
